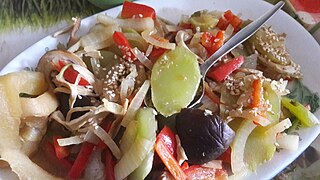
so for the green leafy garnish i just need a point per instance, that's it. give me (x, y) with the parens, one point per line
(302, 94)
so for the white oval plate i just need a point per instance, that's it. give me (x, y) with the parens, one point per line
(301, 45)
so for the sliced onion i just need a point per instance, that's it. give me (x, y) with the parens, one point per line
(42, 105)
(106, 138)
(128, 137)
(135, 103)
(113, 107)
(90, 136)
(78, 109)
(59, 117)
(133, 158)
(94, 54)
(97, 37)
(127, 84)
(196, 38)
(100, 45)
(228, 32)
(181, 37)
(142, 58)
(199, 50)
(149, 50)
(126, 88)
(249, 114)
(78, 139)
(288, 141)
(238, 146)
(144, 169)
(280, 87)
(173, 28)
(163, 44)
(74, 47)
(84, 73)
(93, 116)
(23, 166)
(138, 24)
(280, 127)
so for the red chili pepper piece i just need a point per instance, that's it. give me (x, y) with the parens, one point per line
(220, 72)
(199, 172)
(229, 18)
(156, 53)
(169, 161)
(212, 43)
(123, 44)
(61, 151)
(167, 136)
(81, 161)
(130, 9)
(70, 74)
(256, 93)
(110, 163)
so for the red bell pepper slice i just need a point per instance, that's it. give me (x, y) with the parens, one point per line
(70, 74)
(184, 165)
(81, 161)
(256, 93)
(167, 136)
(228, 15)
(212, 43)
(60, 151)
(156, 53)
(130, 9)
(220, 72)
(229, 18)
(235, 23)
(124, 45)
(169, 161)
(110, 163)
(201, 173)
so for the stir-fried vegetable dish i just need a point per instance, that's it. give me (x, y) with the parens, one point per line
(115, 102)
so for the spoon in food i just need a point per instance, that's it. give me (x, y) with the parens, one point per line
(237, 39)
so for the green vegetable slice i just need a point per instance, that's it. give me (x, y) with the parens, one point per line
(175, 78)
(302, 113)
(137, 144)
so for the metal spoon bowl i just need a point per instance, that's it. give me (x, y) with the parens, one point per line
(237, 39)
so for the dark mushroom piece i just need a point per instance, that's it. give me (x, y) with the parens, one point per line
(47, 63)
(204, 136)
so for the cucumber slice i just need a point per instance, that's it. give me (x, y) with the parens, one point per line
(175, 78)
(205, 22)
(137, 146)
(143, 170)
(147, 124)
(271, 46)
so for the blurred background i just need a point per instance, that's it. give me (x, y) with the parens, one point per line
(24, 22)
